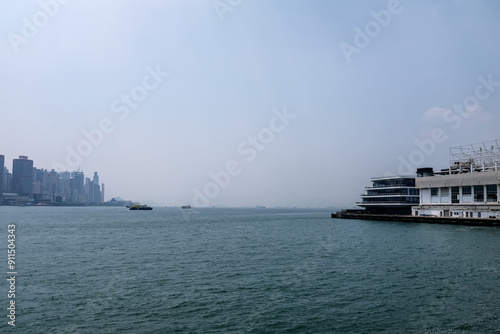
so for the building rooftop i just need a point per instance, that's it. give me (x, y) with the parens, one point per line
(475, 156)
(392, 177)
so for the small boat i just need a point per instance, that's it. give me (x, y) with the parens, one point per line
(140, 207)
(186, 207)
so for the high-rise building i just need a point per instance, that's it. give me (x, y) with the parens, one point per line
(102, 193)
(64, 185)
(93, 190)
(52, 182)
(2, 165)
(78, 191)
(38, 181)
(89, 188)
(97, 194)
(7, 180)
(97, 189)
(22, 176)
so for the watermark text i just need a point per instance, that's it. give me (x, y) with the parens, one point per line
(11, 273)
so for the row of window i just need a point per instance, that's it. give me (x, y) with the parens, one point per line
(391, 199)
(396, 183)
(479, 193)
(410, 191)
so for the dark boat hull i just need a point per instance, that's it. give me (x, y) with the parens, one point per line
(141, 208)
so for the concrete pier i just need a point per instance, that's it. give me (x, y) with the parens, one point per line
(420, 219)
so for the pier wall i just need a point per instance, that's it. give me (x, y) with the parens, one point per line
(420, 219)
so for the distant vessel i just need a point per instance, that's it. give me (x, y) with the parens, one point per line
(140, 207)
(186, 207)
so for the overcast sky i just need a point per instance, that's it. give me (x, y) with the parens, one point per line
(246, 102)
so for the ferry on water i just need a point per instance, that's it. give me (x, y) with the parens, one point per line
(140, 207)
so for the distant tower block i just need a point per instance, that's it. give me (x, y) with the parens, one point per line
(22, 176)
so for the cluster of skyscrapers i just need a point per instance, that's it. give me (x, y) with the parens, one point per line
(27, 184)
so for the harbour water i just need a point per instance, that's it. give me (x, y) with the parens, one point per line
(107, 270)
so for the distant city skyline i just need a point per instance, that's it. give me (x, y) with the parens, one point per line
(27, 184)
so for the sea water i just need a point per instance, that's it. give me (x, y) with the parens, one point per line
(108, 270)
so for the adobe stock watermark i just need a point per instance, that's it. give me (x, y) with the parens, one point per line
(31, 26)
(372, 29)
(223, 6)
(248, 150)
(121, 107)
(455, 116)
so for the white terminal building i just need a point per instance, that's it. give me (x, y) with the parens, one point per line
(470, 187)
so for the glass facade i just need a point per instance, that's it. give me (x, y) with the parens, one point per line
(22, 176)
(390, 195)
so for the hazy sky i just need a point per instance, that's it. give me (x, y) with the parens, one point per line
(283, 102)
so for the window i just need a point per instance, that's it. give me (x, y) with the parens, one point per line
(454, 195)
(491, 193)
(434, 191)
(478, 194)
(466, 190)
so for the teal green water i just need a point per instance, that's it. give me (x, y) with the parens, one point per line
(108, 270)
